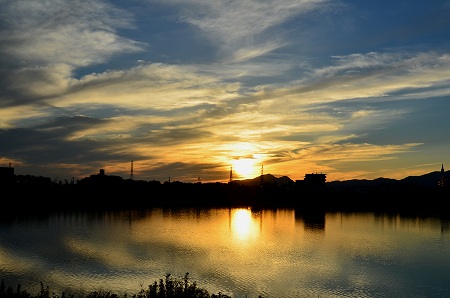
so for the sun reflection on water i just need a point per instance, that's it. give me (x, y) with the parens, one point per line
(243, 226)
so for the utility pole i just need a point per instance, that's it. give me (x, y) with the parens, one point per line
(131, 171)
(262, 174)
(231, 173)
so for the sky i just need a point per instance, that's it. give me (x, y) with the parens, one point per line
(191, 90)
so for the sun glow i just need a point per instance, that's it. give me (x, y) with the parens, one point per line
(245, 168)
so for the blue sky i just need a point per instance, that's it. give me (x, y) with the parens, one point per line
(190, 89)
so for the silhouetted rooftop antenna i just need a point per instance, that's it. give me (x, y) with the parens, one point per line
(131, 171)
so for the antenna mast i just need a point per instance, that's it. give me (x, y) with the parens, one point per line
(131, 171)
(231, 173)
(262, 174)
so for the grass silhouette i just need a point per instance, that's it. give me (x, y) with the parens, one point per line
(169, 287)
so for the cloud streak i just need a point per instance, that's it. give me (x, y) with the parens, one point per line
(262, 97)
(244, 29)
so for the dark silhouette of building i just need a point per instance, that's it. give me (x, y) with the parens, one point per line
(102, 179)
(315, 181)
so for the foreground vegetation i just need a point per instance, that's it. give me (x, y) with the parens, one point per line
(169, 287)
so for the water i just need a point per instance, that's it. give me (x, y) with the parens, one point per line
(239, 252)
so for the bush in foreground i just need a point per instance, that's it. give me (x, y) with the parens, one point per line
(168, 287)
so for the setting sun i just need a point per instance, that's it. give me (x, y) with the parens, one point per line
(245, 168)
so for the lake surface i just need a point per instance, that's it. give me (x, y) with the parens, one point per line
(239, 252)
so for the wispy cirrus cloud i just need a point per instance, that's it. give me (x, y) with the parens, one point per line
(245, 29)
(42, 42)
(76, 32)
(285, 82)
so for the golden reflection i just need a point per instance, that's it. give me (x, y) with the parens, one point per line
(243, 226)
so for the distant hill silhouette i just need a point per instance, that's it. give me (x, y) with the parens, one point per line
(426, 180)
(266, 179)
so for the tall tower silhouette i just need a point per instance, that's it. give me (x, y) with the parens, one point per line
(131, 171)
(231, 173)
(442, 181)
(262, 174)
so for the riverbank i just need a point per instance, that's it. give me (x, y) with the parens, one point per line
(131, 195)
(167, 287)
